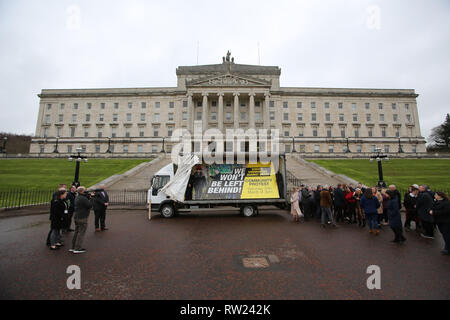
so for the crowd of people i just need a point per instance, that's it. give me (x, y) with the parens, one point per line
(76, 204)
(375, 208)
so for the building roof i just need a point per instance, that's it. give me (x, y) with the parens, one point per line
(231, 67)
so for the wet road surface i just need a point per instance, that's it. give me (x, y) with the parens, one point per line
(201, 256)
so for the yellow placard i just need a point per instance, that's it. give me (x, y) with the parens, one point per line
(260, 182)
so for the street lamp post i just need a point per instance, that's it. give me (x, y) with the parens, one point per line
(56, 146)
(400, 149)
(109, 145)
(78, 159)
(379, 157)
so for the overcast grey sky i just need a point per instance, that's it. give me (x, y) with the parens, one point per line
(92, 44)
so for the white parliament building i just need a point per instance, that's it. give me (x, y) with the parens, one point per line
(318, 122)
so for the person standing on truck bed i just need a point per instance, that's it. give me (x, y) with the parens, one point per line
(199, 183)
(188, 193)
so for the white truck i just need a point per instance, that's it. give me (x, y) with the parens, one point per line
(200, 185)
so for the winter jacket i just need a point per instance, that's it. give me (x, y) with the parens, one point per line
(410, 202)
(57, 213)
(99, 200)
(82, 206)
(393, 210)
(339, 198)
(423, 205)
(370, 205)
(349, 197)
(325, 199)
(441, 211)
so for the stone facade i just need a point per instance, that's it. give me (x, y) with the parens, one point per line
(320, 121)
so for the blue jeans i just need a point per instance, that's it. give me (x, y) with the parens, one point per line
(55, 237)
(327, 215)
(372, 220)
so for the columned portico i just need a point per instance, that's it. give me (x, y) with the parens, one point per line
(251, 110)
(236, 109)
(266, 111)
(190, 114)
(220, 111)
(205, 116)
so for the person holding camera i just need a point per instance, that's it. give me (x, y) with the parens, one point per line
(100, 203)
(83, 205)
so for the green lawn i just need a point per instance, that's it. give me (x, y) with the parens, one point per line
(48, 173)
(401, 172)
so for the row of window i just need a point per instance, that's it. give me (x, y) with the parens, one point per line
(286, 132)
(340, 105)
(155, 148)
(341, 117)
(86, 132)
(357, 148)
(228, 117)
(115, 117)
(89, 105)
(343, 132)
(313, 105)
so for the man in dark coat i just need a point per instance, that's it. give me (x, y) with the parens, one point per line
(339, 203)
(100, 204)
(70, 200)
(397, 194)
(395, 219)
(423, 205)
(317, 201)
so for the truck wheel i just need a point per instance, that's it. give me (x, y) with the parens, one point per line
(167, 211)
(249, 211)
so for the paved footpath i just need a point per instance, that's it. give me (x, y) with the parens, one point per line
(142, 178)
(309, 176)
(201, 256)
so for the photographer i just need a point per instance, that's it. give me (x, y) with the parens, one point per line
(100, 203)
(83, 206)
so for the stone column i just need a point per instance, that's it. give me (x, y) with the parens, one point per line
(236, 109)
(251, 111)
(205, 111)
(266, 111)
(220, 112)
(190, 114)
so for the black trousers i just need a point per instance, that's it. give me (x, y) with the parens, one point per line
(339, 213)
(428, 228)
(398, 232)
(100, 216)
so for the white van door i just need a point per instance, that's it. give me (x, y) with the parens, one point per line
(158, 182)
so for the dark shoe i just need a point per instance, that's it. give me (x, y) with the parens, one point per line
(59, 245)
(322, 225)
(445, 252)
(104, 229)
(54, 248)
(364, 223)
